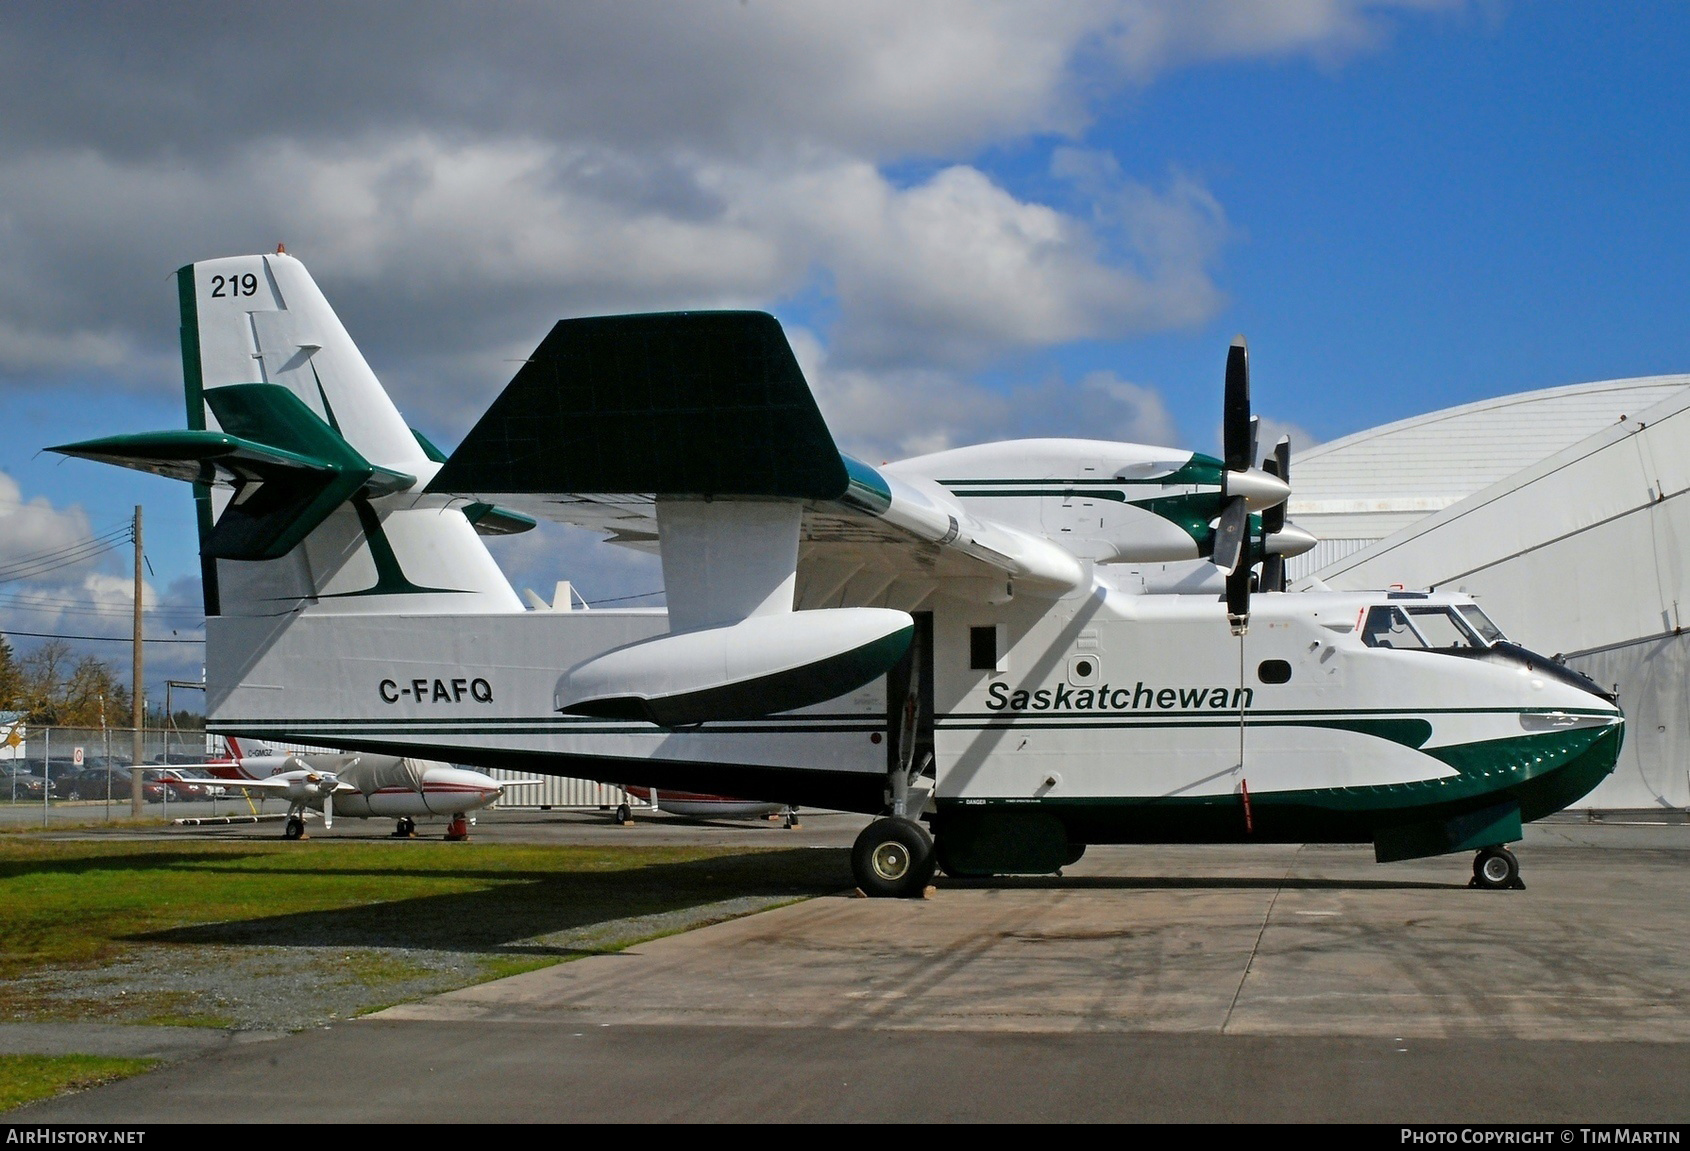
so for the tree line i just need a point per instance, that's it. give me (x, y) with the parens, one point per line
(53, 686)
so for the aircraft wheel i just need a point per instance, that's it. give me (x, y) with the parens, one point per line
(893, 858)
(405, 828)
(624, 814)
(1075, 851)
(1496, 868)
(295, 828)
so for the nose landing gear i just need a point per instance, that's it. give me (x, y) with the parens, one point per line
(1497, 869)
(458, 830)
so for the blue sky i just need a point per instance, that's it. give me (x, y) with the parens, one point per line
(1404, 207)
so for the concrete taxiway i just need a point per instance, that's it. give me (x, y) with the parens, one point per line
(1149, 983)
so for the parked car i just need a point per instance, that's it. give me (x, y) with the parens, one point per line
(17, 781)
(91, 782)
(185, 783)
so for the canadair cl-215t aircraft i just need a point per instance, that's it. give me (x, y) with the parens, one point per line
(952, 642)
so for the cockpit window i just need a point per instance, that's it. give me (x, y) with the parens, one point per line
(1388, 627)
(1442, 627)
(1480, 622)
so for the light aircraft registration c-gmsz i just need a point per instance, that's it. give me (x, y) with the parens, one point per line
(971, 645)
(368, 785)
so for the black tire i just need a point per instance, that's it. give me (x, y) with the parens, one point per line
(295, 828)
(893, 858)
(1496, 868)
(623, 814)
(1075, 852)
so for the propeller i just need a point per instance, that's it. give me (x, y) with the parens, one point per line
(1246, 487)
(1273, 519)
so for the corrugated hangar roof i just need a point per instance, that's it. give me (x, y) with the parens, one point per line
(1420, 465)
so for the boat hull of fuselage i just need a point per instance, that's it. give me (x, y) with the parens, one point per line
(1126, 718)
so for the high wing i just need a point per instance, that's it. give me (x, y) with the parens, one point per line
(612, 417)
(279, 784)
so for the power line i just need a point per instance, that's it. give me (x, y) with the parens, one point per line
(96, 638)
(120, 532)
(53, 606)
(620, 598)
(43, 562)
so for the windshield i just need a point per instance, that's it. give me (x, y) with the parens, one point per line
(1442, 627)
(1480, 622)
(1388, 627)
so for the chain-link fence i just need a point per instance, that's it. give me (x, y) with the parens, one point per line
(76, 775)
(69, 775)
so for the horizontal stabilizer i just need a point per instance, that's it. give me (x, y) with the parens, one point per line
(289, 469)
(492, 520)
(680, 403)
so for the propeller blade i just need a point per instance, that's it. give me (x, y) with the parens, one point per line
(1278, 464)
(1273, 573)
(1238, 596)
(1228, 552)
(1235, 428)
(328, 809)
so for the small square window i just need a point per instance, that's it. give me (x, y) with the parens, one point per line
(983, 648)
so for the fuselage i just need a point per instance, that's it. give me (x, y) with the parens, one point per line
(1127, 717)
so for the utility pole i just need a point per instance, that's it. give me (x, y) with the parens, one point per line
(136, 792)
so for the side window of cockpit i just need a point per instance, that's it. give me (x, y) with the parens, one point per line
(1481, 623)
(1442, 627)
(1388, 627)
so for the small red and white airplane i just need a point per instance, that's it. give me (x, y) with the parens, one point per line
(361, 785)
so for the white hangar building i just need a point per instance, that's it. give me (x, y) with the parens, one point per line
(1564, 513)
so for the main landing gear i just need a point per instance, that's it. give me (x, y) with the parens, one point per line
(295, 828)
(893, 857)
(1496, 868)
(405, 828)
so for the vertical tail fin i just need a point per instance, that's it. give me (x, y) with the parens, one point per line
(309, 485)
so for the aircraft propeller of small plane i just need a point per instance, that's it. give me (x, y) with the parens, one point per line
(962, 644)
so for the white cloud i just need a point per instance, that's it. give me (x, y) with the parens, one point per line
(1271, 430)
(34, 535)
(491, 168)
(882, 415)
(448, 259)
(878, 78)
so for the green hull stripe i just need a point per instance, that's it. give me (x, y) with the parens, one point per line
(193, 390)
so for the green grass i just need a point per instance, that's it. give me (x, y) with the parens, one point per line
(499, 908)
(26, 1078)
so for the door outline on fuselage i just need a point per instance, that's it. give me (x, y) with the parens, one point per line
(919, 657)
